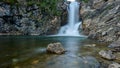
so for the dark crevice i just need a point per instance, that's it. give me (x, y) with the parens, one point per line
(105, 0)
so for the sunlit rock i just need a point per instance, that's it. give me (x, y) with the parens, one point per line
(90, 45)
(56, 48)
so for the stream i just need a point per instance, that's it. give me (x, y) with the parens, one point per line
(30, 52)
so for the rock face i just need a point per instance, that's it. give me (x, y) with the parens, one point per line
(22, 18)
(107, 54)
(101, 19)
(115, 45)
(56, 48)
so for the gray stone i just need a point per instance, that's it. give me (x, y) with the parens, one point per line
(56, 48)
(107, 54)
(103, 22)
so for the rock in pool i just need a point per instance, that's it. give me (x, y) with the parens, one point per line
(55, 48)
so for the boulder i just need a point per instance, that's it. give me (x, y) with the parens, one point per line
(107, 54)
(114, 65)
(55, 48)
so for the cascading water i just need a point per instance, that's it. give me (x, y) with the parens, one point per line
(71, 29)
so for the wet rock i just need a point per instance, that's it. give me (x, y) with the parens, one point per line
(114, 65)
(107, 54)
(72, 62)
(56, 48)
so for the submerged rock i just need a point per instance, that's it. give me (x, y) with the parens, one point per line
(56, 48)
(68, 61)
(90, 45)
(114, 65)
(107, 54)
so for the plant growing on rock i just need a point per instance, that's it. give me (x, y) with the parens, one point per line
(86, 1)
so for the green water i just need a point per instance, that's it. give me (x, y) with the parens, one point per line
(30, 52)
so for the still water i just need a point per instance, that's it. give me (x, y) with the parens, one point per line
(30, 52)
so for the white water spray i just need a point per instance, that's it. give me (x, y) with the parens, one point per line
(71, 29)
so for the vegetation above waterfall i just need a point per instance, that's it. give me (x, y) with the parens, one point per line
(86, 1)
(46, 6)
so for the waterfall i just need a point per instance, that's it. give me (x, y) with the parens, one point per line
(71, 28)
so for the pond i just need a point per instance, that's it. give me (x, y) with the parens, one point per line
(30, 52)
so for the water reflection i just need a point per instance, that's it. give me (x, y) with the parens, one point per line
(24, 51)
(72, 58)
(72, 45)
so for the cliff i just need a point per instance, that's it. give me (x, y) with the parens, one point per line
(28, 17)
(101, 19)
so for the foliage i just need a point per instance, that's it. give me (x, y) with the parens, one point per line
(9, 1)
(48, 7)
(86, 1)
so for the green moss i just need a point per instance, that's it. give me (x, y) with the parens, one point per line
(86, 1)
(48, 7)
(9, 1)
(109, 7)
